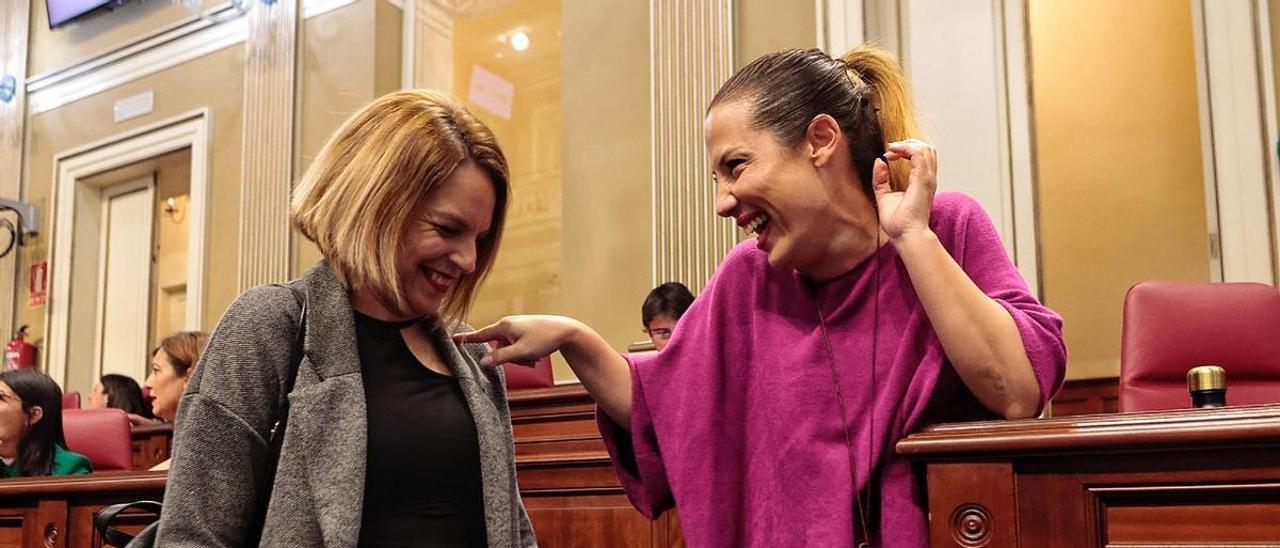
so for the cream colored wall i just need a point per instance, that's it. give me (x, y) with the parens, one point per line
(347, 61)
(607, 199)
(169, 279)
(1120, 178)
(765, 26)
(214, 82)
(528, 272)
(97, 34)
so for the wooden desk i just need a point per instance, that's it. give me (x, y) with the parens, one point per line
(57, 512)
(569, 488)
(1170, 478)
(151, 444)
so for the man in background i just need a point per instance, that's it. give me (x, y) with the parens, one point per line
(662, 309)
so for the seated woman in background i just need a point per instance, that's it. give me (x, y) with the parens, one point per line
(121, 392)
(31, 440)
(172, 363)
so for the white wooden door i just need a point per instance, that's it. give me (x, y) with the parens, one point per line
(124, 278)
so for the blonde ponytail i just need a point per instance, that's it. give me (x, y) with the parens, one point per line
(879, 72)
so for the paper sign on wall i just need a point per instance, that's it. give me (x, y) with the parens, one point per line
(38, 285)
(491, 92)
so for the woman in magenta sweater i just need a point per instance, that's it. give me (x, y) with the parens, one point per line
(865, 308)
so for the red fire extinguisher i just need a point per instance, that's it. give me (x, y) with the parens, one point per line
(20, 354)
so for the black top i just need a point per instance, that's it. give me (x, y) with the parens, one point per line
(422, 482)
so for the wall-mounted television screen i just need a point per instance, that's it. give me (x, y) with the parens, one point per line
(62, 12)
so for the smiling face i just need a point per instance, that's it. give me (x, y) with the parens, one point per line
(770, 189)
(438, 244)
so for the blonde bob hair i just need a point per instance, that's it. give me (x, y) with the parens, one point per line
(356, 198)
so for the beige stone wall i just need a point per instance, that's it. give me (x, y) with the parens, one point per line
(607, 171)
(528, 272)
(765, 26)
(345, 58)
(213, 82)
(344, 67)
(1119, 171)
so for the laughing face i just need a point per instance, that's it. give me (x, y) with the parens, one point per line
(771, 190)
(438, 247)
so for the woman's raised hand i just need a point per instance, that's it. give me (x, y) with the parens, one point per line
(521, 340)
(906, 211)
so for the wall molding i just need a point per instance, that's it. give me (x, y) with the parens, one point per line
(193, 130)
(691, 45)
(161, 50)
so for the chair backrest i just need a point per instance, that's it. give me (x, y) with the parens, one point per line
(103, 435)
(1170, 327)
(71, 400)
(520, 377)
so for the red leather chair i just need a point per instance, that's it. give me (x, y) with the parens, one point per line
(103, 435)
(520, 377)
(71, 400)
(1170, 327)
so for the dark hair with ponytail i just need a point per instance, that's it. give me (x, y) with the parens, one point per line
(865, 91)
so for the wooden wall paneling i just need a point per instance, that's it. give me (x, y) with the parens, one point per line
(58, 511)
(268, 159)
(14, 29)
(1182, 477)
(80, 519)
(976, 505)
(588, 520)
(567, 482)
(1060, 526)
(51, 524)
(1087, 396)
(15, 524)
(151, 445)
(1244, 514)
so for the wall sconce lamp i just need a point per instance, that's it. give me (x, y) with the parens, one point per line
(8, 87)
(171, 209)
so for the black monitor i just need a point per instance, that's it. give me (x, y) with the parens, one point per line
(62, 12)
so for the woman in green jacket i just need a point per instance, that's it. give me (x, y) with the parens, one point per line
(31, 439)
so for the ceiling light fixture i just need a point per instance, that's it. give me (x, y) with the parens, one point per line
(519, 40)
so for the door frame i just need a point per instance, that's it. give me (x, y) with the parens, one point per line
(193, 130)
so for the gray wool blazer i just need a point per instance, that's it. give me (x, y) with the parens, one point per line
(221, 443)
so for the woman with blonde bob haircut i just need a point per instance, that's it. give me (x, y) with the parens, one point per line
(381, 429)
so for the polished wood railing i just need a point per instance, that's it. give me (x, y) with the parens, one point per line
(57, 512)
(151, 445)
(1195, 477)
